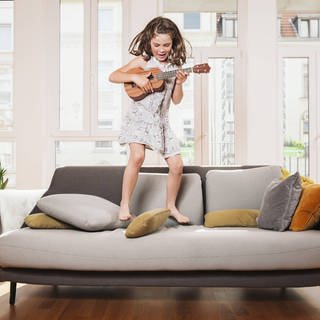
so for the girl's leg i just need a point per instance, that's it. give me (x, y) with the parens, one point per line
(130, 177)
(174, 179)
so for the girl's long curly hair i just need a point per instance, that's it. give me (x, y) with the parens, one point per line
(140, 45)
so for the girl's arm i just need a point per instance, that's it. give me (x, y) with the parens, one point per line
(177, 93)
(120, 75)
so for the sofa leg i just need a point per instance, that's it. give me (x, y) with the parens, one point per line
(13, 290)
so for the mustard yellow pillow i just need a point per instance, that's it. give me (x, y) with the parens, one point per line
(305, 181)
(147, 222)
(307, 213)
(43, 221)
(231, 218)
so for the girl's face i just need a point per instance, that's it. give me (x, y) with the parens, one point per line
(161, 45)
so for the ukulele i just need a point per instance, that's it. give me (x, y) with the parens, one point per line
(157, 78)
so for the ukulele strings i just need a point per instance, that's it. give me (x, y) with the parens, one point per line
(171, 74)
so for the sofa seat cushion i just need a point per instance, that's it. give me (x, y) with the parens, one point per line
(181, 248)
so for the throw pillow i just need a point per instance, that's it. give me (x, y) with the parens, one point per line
(279, 203)
(43, 221)
(231, 218)
(307, 214)
(305, 181)
(86, 212)
(147, 222)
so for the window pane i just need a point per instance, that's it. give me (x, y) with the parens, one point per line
(314, 28)
(6, 65)
(6, 37)
(71, 64)
(215, 29)
(182, 119)
(109, 57)
(229, 28)
(221, 112)
(191, 20)
(90, 153)
(8, 161)
(304, 29)
(295, 114)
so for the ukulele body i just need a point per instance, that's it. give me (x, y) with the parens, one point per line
(135, 92)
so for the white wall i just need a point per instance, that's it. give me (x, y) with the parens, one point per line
(30, 121)
(263, 132)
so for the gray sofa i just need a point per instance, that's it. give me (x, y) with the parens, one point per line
(176, 255)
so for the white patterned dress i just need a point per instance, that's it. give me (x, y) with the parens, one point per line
(147, 120)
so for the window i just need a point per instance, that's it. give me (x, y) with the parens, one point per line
(300, 27)
(105, 18)
(90, 48)
(295, 115)
(314, 28)
(109, 57)
(221, 112)
(89, 152)
(71, 65)
(207, 130)
(6, 37)
(191, 20)
(308, 28)
(229, 26)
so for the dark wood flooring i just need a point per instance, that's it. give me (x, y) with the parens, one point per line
(68, 303)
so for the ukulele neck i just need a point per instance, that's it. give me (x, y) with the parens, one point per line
(170, 74)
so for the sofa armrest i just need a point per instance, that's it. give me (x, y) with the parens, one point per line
(15, 206)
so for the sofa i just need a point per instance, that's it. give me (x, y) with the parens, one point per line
(174, 255)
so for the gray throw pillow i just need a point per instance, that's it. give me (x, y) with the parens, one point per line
(86, 212)
(279, 202)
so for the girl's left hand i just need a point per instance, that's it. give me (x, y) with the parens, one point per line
(181, 77)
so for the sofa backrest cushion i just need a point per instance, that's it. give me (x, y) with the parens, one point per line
(150, 193)
(238, 189)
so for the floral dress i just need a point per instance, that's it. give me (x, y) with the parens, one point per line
(147, 120)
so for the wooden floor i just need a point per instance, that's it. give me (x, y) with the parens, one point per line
(52, 303)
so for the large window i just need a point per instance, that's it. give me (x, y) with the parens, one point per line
(207, 126)
(90, 106)
(299, 32)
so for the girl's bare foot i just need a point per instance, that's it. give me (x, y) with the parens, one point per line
(124, 213)
(175, 213)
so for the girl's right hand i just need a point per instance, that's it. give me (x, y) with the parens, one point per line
(142, 81)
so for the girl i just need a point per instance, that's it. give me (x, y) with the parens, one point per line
(146, 124)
